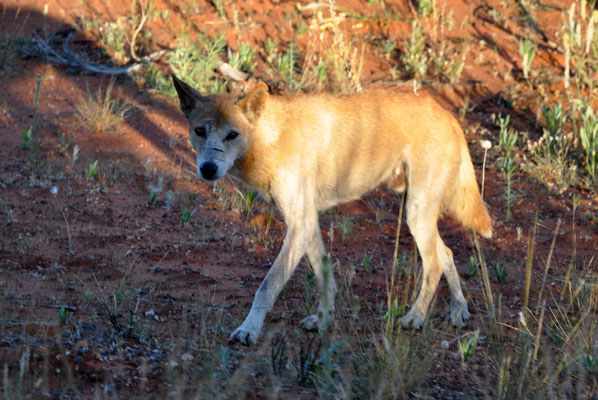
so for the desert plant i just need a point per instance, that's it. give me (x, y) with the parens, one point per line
(415, 57)
(248, 199)
(468, 345)
(62, 315)
(554, 120)
(75, 155)
(186, 215)
(507, 139)
(588, 135)
(243, 58)
(101, 111)
(196, 62)
(32, 140)
(581, 48)
(425, 7)
(502, 271)
(285, 65)
(345, 226)
(527, 51)
(91, 170)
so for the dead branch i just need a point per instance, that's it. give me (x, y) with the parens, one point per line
(41, 48)
(141, 23)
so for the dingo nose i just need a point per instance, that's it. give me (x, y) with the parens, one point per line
(208, 170)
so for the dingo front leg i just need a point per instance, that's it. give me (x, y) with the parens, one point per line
(326, 284)
(291, 252)
(302, 220)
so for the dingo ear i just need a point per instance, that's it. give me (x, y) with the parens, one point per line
(188, 96)
(253, 104)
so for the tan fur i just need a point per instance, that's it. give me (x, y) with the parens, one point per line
(310, 153)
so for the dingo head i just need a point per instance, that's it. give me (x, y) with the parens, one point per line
(219, 126)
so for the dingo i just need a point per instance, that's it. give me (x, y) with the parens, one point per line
(310, 153)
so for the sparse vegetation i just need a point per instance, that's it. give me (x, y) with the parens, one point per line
(415, 55)
(101, 111)
(527, 50)
(196, 61)
(243, 58)
(507, 139)
(91, 170)
(103, 297)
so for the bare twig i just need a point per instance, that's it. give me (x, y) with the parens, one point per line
(68, 59)
(139, 28)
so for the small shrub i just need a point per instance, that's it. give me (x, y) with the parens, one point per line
(425, 7)
(101, 111)
(415, 57)
(243, 59)
(196, 62)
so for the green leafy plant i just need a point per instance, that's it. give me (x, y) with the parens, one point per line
(197, 61)
(243, 59)
(554, 118)
(502, 271)
(152, 199)
(186, 216)
(467, 346)
(415, 57)
(285, 65)
(91, 170)
(248, 199)
(552, 164)
(345, 226)
(425, 7)
(62, 315)
(527, 50)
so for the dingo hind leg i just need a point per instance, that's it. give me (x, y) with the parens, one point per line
(459, 311)
(422, 217)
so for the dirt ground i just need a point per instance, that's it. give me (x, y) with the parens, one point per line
(82, 258)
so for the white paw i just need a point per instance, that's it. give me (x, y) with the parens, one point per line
(311, 323)
(244, 336)
(459, 313)
(413, 318)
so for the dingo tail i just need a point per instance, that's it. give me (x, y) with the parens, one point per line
(466, 203)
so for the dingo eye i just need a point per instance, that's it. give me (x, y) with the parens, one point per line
(231, 135)
(201, 131)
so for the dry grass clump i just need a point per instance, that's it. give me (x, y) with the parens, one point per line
(101, 111)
